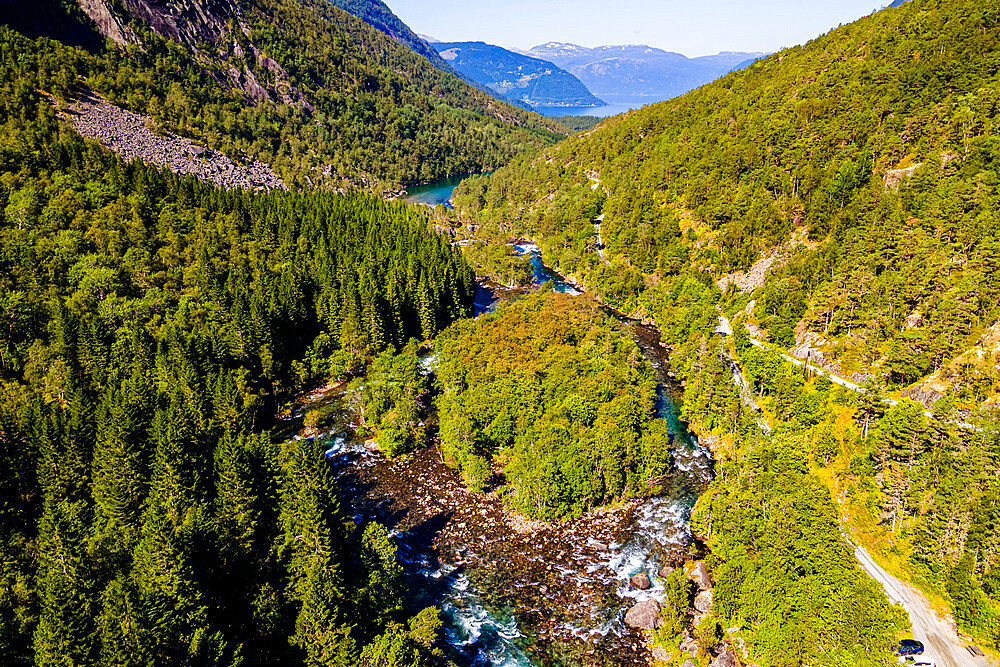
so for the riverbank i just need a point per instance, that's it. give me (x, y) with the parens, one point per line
(518, 592)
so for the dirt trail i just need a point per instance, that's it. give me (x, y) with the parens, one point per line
(940, 641)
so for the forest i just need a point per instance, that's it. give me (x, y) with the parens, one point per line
(316, 93)
(552, 400)
(869, 172)
(860, 167)
(151, 328)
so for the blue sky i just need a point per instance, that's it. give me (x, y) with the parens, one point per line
(691, 27)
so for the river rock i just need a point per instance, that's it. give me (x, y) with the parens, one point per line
(703, 602)
(699, 575)
(641, 581)
(726, 659)
(644, 615)
(665, 571)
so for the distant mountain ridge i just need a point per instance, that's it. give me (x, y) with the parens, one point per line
(534, 81)
(378, 15)
(318, 94)
(639, 71)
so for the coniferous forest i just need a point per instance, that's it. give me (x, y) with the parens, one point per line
(151, 326)
(836, 200)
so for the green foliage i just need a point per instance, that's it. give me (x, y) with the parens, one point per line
(149, 323)
(677, 594)
(311, 90)
(555, 393)
(876, 140)
(391, 399)
(784, 572)
(499, 263)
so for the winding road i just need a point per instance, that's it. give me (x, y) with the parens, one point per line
(940, 641)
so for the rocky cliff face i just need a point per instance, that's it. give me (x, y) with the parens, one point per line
(108, 22)
(217, 33)
(188, 21)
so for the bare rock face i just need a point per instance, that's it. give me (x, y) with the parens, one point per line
(200, 24)
(688, 644)
(641, 582)
(108, 22)
(644, 615)
(187, 21)
(661, 654)
(688, 663)
(703, 602)
(726, 659)
(699, 575)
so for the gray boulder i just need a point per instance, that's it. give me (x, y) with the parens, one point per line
(641, 581)
(703, 602)
(726, 659)
(644, 615)
(699, 575)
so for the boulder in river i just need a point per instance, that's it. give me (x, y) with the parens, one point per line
(726, 659)
(644, 615)
(641, 581)
(703, 602)
(699, 575)
(665, 571)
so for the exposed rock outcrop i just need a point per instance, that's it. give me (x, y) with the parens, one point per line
(699, 575)
(703, 602)
(644, 615)
(108, 22)
(726, 659)
(217, 33)
(128, 135)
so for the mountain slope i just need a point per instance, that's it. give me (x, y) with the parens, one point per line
(637, 72)
(841, 199)
(302, 86)
(536, 82)
(821, 139)
(378, 15)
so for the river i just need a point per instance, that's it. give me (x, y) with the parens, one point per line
(514, 594)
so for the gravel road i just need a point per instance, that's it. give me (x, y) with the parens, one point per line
(940, 641)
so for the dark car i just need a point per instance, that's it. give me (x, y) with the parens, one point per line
(909, 647)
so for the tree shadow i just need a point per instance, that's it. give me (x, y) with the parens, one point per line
(52, 19)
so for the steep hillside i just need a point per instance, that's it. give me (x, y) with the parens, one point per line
(638, 73)
(153, 327)
(530, 80)
(865, 158)
(378, 15)
(303, 86)
(840, 198)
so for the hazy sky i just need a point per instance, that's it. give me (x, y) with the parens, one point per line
(691, 27)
